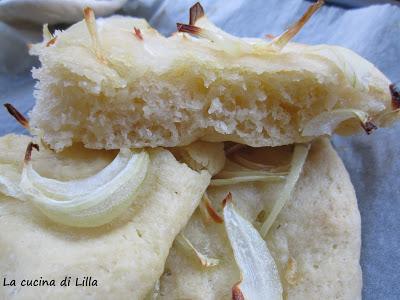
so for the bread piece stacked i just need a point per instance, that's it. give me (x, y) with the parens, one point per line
(116, 82)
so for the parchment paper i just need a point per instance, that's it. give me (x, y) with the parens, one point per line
(372, 161)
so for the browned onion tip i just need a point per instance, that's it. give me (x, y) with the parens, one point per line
(17, 115)
(227, 199)
(395, 92)
(138, 33)
(368, 126)
(188, 28)
(270, 36)
(28, 152)
(195, 13)
(237, 293)
(88, 12)
(51, 42)
(213, 213)
(285, 37)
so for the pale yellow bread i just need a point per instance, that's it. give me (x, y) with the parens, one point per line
(126, 257)
(136, 90)
(315, 241)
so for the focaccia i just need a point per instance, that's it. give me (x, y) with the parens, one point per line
(125, 257)
(116, 82)
(315, 241)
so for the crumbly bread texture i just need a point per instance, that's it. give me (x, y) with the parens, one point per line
(125, 85)
(125, 257)
(315, 241)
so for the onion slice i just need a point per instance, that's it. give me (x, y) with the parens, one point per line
(259, 274)
(326, 122)
(205, 215)
(390, 117)
(248, 178)
(224, 41)
(237, 158)
(201, 27)
(9, 180)
(91, 201)
(196, 12)
(24, 122)
(17, 115)
(281, 41)
(46, 32)
(395, 93)
(183, 242)
(208, 210)
(230, 174)
(298, 159)
(90, 20)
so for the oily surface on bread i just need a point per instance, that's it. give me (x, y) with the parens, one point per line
(126, 257)
(156, 91)
(315, 241)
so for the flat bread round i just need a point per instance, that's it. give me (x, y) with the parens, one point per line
(315, 241)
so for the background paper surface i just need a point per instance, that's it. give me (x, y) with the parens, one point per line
(372, 161)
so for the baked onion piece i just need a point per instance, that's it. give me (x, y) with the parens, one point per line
(327, 122)
(186, 245)
(9, 178)
(299, 157)
(259, 274)
(91, 201)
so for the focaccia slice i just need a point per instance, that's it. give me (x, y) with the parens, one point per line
(117, 82)
(315, 240)
(125, 257)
